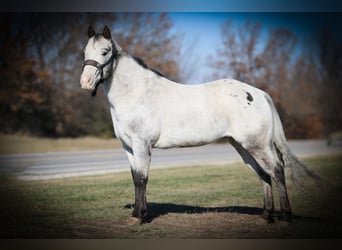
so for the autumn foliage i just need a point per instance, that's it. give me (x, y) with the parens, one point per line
(303, 77)
(41, 56)
(40, 64)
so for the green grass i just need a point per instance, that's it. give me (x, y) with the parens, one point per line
(185, 202)
(14, 144)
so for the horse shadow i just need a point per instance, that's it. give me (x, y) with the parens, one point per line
(156, 210)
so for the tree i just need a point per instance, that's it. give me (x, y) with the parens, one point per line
(273, 61)
(329, 59)
(148, 36)
(41, 61)
(238, 57)
(302, 99)
(25, 93)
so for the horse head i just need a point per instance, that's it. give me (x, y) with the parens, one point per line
(99, 55)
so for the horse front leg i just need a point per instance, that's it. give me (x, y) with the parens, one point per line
(140, 158)
(140, 205)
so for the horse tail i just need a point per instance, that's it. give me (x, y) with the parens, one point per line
(284, 155)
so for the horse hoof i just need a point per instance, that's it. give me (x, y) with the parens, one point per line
(286, 217)
(134, 221)
(268, 217)
(270, 220)
(261, 221)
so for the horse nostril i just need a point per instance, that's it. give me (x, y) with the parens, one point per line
(85, 81)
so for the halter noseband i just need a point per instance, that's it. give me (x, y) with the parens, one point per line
(100, 68)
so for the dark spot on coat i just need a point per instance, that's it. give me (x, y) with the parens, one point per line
(249, 97)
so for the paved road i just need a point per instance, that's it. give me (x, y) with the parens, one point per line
(70, 164)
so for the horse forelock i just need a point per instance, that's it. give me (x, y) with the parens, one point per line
(97, 37)
(100, 40)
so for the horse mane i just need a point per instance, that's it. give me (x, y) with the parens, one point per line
(144, 65)
(136, 59)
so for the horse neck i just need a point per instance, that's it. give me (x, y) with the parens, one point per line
(127, 79)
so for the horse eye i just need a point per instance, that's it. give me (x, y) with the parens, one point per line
(105, 53)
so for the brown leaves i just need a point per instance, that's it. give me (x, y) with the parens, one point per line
(147, 36)
(40, 65)
(274, 61)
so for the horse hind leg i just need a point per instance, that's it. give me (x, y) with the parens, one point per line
(279, 176)
(264, 177)
(268, 201)
(268, 160)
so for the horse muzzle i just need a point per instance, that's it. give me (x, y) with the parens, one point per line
(87, 83)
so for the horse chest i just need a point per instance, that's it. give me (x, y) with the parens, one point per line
(134, 123)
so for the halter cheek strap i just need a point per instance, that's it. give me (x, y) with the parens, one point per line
(100, 68)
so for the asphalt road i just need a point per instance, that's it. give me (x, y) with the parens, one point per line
(70, 164)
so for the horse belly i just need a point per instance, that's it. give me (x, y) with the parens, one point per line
(190, 130)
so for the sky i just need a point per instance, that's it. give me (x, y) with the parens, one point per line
(201, 32)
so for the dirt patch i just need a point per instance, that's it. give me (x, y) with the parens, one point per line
(207, 226)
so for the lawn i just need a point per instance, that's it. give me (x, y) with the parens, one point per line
(185, 202)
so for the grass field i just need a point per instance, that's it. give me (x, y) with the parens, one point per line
(189, 202)
(10, 144)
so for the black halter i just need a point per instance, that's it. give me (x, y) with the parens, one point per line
(100, 68)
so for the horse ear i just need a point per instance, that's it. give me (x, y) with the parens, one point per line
(91, 31)
(106, 33)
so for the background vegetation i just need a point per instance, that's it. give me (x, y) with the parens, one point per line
(41, 56)
(302, 74)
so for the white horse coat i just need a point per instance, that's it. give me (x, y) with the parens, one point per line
(169, 114)
(149, 110)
